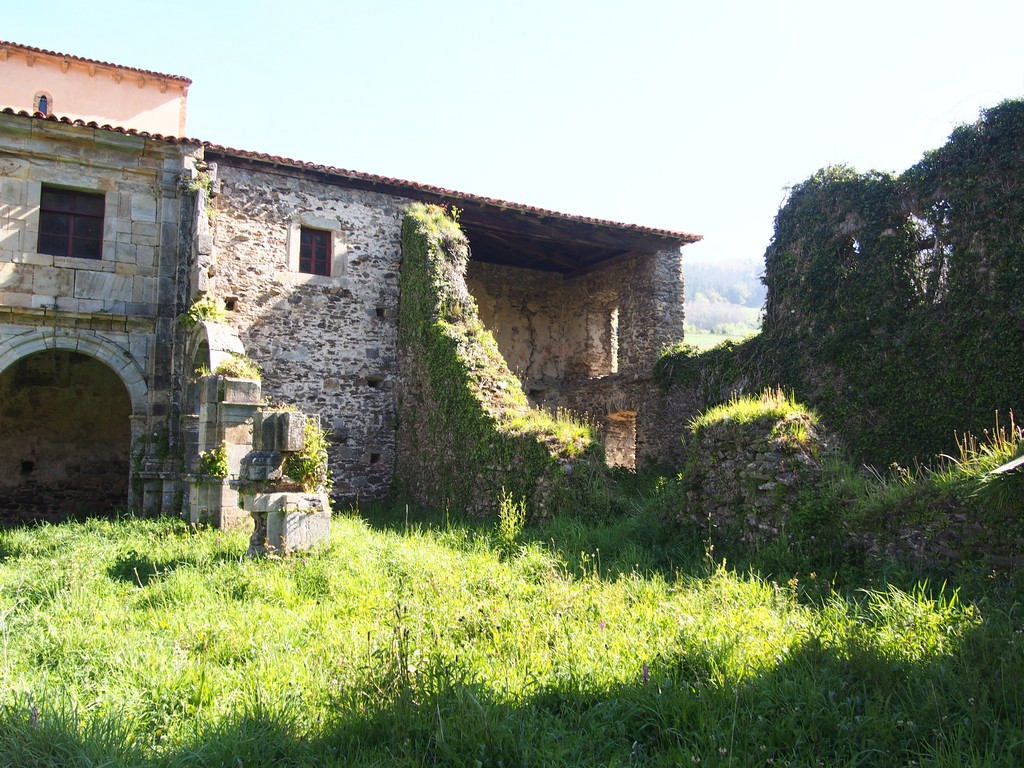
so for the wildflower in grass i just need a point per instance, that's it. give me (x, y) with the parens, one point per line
(646, 674)
(33, 717)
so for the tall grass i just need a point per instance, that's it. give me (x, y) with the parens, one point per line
(418, 641)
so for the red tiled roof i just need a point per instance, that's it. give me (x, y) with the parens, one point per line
(44, 52)
(413, 186)
(399, 185)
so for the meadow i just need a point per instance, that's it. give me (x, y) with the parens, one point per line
(417, 639)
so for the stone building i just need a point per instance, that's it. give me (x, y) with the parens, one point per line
(109, 234)
(92, 91)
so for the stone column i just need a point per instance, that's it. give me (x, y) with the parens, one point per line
(227, 409)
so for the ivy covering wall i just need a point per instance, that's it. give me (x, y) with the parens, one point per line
(467, 436)
(895, 304)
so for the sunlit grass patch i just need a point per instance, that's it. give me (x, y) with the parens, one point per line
(432, 641)
(771, 404)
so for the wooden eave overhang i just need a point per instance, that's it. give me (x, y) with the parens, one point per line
(500, 232)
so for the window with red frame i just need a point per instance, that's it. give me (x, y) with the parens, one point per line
(315, 251)
(71, 223)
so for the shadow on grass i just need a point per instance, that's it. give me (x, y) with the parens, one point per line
(822, 703)
(647, 541)
(834, 697)
(621, 546)
(139, 568)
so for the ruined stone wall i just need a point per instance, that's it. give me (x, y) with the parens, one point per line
(650, 308)
(118, 309)
(589, 343)
(325, 344)
(547, 328)
(468, 436)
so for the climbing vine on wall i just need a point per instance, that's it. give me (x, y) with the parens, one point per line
(465, 425)
(896, 303)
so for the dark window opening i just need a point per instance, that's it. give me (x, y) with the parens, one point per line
(380, 312)
(315, 252)
(27, 467)
(374, 382)
(230, 303)
(375, 458)
(71, 223)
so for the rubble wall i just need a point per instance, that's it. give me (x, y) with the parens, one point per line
(325, 344)
(588, 344)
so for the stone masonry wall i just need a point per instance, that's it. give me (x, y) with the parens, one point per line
(325, 344)
(547, 328)
(589, 343)
(118, 309)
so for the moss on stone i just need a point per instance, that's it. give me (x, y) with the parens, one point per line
(466, 432)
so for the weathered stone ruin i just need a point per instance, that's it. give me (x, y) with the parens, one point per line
(745, 476)
(111, 236)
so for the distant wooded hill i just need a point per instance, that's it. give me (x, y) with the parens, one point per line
(722, 300)
(732, 283)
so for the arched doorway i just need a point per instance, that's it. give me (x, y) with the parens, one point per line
(65, 437)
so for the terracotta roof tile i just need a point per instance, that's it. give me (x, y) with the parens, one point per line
(414, 186)
(398, 185)
(43, 51)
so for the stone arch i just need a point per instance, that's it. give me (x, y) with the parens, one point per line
(77, 402)
(208, 346)
(212, 343)
(116, 356)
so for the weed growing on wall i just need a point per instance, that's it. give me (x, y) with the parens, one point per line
(205, 308)
(239, 367)
(771, 405)
(214, 462)
(308, 467)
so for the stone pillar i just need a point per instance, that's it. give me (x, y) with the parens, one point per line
(227, 410)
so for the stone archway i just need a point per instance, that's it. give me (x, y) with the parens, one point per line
(65, 437)
(41, 369)
(118, 358)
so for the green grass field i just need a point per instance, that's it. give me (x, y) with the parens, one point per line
(703, 339)
(426, 642)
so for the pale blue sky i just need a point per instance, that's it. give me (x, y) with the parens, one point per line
(684, 115)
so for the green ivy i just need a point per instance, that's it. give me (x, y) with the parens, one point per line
(469, 430)
(895, 304)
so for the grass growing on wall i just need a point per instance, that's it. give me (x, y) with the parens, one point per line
(469, 430)
(770, 405)
(145, 642)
